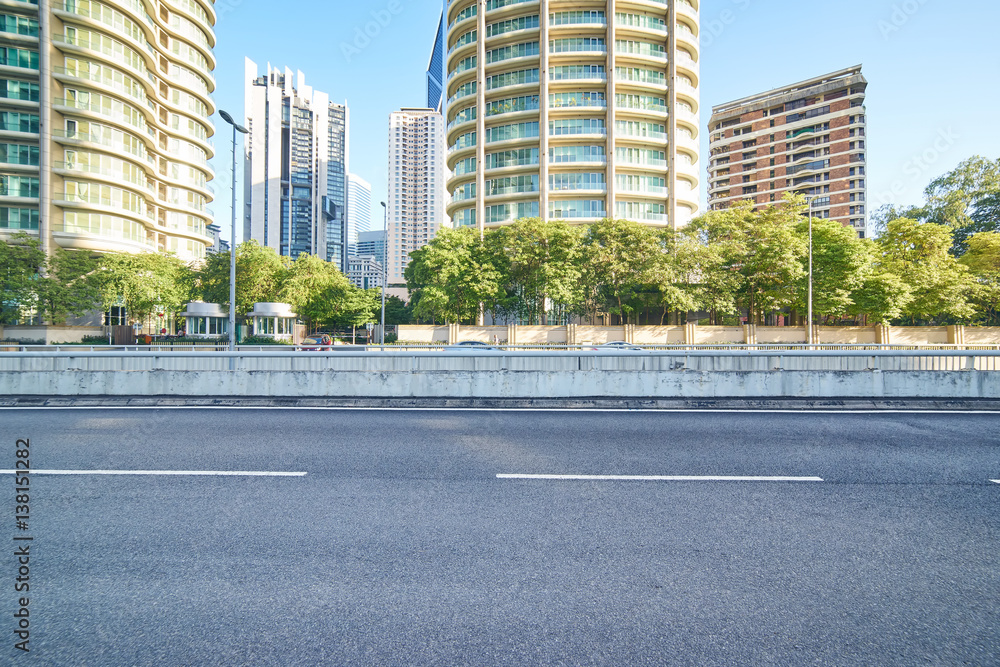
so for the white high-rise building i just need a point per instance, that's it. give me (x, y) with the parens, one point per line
(104, 112)
(416, 199)
(296, 166)
(359, 209)
(570, 111)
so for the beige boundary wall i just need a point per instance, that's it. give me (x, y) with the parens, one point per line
(48, 334)
(692, 334)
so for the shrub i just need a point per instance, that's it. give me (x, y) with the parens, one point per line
(263, 340)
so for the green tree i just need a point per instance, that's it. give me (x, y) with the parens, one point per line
(919, 254)
(882, 295)
(358, 308)
(983, 261)
(618, 259)
(763, 249)
(966, 200)
(397, 311)
(841, 262)
(315, 288)
(259, 274)
(538, 264)
(71, 286)
(142, 282)
(21, 262)
(707, 272)
(671, 271)
(451, 276)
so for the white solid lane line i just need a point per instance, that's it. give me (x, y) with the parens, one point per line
(460, 409)
(154, 473)
(995, 481)
(660, 478)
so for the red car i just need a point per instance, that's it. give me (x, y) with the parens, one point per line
(316, 343)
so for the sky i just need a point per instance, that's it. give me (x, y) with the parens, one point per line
(931, 67)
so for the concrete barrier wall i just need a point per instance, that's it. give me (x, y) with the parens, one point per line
(507, 384)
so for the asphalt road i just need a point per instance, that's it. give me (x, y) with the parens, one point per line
(400, 546)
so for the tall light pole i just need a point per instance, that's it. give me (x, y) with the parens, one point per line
(385, 266)
(232, 243)
(809, 316)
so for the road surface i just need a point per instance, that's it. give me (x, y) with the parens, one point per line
(381, 537)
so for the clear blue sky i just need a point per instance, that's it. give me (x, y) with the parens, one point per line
(931, 66)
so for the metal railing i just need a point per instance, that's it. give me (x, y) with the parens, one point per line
(456, 358)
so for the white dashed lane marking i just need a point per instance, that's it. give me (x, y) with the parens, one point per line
(158, 473)
(658, 478)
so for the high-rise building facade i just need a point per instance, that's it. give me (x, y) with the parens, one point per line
(807, 138)
(296, 166)
(364, 272)
(372, 244)
(416, 205)
(359, 209)
(573, 111)
(105, 134)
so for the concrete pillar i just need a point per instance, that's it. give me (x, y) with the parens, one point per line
(690, 333)
(512, 334)
(571, 334)
(629, 333)
(956, 335)
(454, 333)
(812, 335)
(883, 334)
(750, 334)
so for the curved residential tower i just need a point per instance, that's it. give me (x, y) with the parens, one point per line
(104, 123)
(572, 110)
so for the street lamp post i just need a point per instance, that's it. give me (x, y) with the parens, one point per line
(232, 243)
(385, 265)
(809, 315)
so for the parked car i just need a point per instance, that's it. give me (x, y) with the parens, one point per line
(472, 345)
(317, 342)
(620, 345)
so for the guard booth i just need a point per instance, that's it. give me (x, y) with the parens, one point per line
(273, 320)
(205, 320)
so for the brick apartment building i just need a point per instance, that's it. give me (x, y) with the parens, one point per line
(807, 138)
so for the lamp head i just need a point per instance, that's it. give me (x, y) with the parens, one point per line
(229, 119)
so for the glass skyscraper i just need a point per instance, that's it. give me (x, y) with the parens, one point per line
(359, 209)
(435, 70)
(296, 166)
